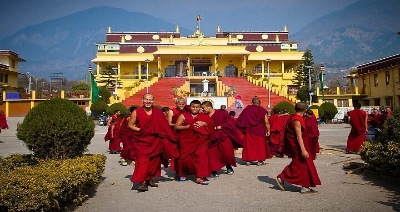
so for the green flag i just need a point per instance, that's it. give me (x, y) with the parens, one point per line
(321, 82)
(94, 88)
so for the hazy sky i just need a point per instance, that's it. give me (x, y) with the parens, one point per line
(230, 15)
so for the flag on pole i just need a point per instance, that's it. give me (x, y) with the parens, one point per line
(198, 18)
(94, 88)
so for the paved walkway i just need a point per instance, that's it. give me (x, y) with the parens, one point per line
(249, 189)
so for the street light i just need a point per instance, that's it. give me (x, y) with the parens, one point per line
(309, 82)
(115, 69)
(147, 74)
(269, 83)
(30, 81)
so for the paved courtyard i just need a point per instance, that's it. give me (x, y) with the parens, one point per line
(251, 188)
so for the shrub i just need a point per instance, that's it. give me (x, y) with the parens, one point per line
(98, 107)
(117, 106)
(52, 185)
(56, 129)
(383, 155)
(320, 111)
(285, 104)
(330, 111)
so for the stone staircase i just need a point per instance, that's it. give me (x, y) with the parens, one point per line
(248, 90)
(162, 91)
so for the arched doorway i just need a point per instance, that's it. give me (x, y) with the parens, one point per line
(231, 70)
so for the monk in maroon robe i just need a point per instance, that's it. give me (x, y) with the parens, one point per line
(301, 171)
(153, 140)
(358, 122)
(224, 140)
(195, 129)
(253, 122)
(312, 134)
(112, 136)
(127, 152)
(113, 133)
(274, 137)
(3, 121)
(172, 116)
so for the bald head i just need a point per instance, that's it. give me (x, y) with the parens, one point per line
(256, 101)
(300, 107)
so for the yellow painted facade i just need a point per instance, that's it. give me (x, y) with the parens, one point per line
(227, 54)
(9, 66)
(373, 84)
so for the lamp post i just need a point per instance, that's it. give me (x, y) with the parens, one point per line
(269, 83)
(309, 82)
(30, 81)
(115, 69)
(147, 75)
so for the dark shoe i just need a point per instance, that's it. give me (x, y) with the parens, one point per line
(214, 174)
(248, 163)
(279, 155)
(229, 171)
(280, 183)
(142, 187)
(260, 163)
(151, 183)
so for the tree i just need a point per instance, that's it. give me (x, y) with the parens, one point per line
(285, 104)
(302, 94)
(98, 107)
(108, 77)
(80, 86)
(104, 94)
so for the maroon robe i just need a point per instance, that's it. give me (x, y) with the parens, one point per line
(3, 121)
(358, 130)
(312, 135)
(252, 122)
(125, 133)
(223, 141)
(274, 137)
(193, 146)
(301, 171)
(112, 136)
(152, 143)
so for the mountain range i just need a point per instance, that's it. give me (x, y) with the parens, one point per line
(363, 31)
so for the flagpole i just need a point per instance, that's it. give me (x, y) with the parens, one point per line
(90, 80)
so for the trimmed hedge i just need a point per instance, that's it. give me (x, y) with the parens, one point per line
(330, 111)
(51, 185)
(56, 129)
(320, 111)
(285, 104)
(98, 107)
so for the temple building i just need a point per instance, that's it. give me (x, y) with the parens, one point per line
(129, 60)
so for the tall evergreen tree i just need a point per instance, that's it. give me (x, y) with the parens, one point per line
(301, 77)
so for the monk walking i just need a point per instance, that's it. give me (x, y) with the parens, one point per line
(195, 129)
(253, 121)
(153, 141)
(312, 134)
(225, 139)
(127, 152)
(358, 121)
(301, 171)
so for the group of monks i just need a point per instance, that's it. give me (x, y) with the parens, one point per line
(360, 122)
(198, 140)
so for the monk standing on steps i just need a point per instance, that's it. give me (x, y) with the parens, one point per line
(253, 121)
(358, 121)
(301, 171)
(195, 130)
(153, 141)
(224, 139)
